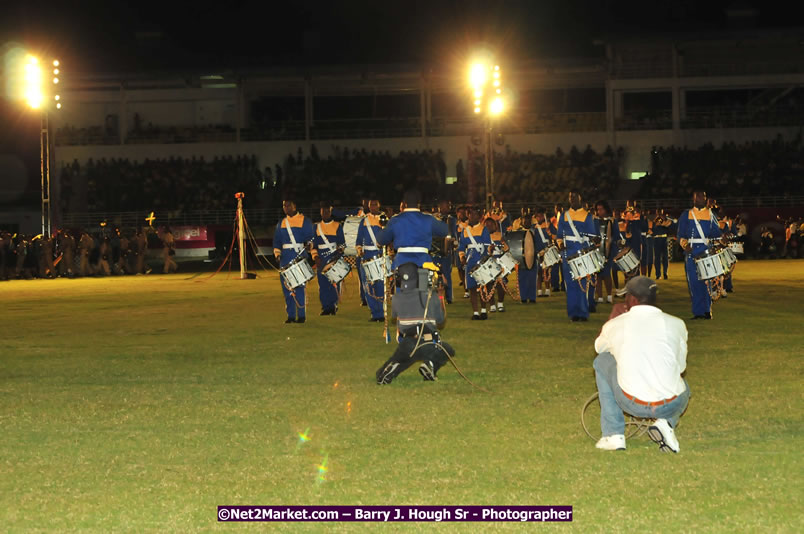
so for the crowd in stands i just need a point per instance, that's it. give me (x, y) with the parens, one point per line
(352, 173)
(756, 168)
(529, 177)
(163, 184)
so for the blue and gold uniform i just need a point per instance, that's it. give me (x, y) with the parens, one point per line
(542, 238)
(582, 220)
(412, 234)
(700, 240)
(367, 241)
(726, 229)
(473, 245)
(445, 262)
(289, 238)
(328, 238)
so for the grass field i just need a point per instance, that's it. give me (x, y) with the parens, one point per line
(141, 403)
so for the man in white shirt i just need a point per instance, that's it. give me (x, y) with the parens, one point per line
(642, 352)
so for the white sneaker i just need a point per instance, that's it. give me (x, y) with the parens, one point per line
(609, 299)
(600, 300)
(547, 292)
(493, 308)
(466, 294)
(539, 293)
(611, 443)
(661, 433)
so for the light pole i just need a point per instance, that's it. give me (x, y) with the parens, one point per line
(486, 84)
(27, 83)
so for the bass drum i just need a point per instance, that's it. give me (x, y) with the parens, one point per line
(350, 226)
(521, 247)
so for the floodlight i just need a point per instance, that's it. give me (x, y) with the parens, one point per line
(479, 93)
(496, 83)
(496, 67)
(499, 90)
(496, 106)
(55, 80)
(55, 62)
(496, 75)
(33, 83)
(58, 105)
(55, 71)
(477, 110)
(57, 97)
(477, 75)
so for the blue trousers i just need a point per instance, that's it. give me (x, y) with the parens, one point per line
(293, 310)
(699, 293)
(555, 276)
(362, 281)
(445, 266)
(327, 292)
(577, 300)
(372, 292)
(727, 283)
(613, 403)
(660, 259)
(527, 282)
(646, 257)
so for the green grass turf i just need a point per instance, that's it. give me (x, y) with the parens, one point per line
(142, 403)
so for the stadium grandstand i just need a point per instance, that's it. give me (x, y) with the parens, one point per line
(652, 118)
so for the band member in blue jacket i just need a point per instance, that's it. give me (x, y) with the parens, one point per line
(412, 232)
(474, 244)
(327, 245)
(576, 227)
(368, 248)
(697, 229)
(290, 238)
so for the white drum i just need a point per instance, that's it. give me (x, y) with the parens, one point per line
(737, 247)
(507, 263)
(297, 273)
(373, 269)
(336, 270)
(627, 260)
(350, 227)
(585, 263)
(550, 257)
(709, 266)
(486, 271)
(728, 258)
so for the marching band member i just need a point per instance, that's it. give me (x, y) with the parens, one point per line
(697, 227)
(473, 245)
(412, 232)
(367, 249)
(610, 237)
(498, 214)
(499, 247)
(647, 244)
(460, 226)
(557, 280)
(727, 230)
(542, 238)
(526, 278)
(445, 262)
(575, 227)
(662, 227)
(327, 243)
(518, 222)
(290, 237)
(635, 227)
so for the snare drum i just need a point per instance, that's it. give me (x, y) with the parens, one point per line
(521, 247)
(336, 270)
(627, 260)
(507, 263)
(550, 257)
(485, 271)
(585, 263)
(737, 247)
(297, 273)
(709, 265)
(350, 227)
(727, 258)
(373, 269)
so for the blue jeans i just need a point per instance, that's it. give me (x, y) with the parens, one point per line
(613, 403)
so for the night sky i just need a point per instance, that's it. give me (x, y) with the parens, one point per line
(95, 36)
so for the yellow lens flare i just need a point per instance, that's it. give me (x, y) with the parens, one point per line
(497, 106)
(477, 75)
(32, 78)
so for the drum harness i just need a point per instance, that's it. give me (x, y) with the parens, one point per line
(591, 279)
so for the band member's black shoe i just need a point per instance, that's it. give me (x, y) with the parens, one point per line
(484, 316)
(575, 319)
(327, 312)
(377, 319)
(427, 371)
(665, 277)
(290, 320)
(301, 319)
(583, 319)
(476, 317)
(707, 315)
